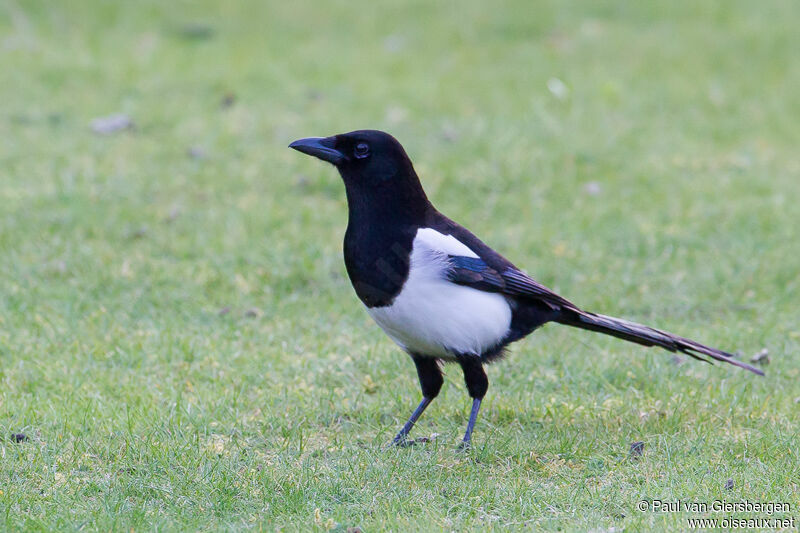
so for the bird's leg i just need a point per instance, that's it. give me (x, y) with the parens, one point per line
(477, 385)
(430, 381)
(400, 438)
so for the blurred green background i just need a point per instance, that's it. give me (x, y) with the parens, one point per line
(182, 350)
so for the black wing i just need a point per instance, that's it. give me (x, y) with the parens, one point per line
(474, 272)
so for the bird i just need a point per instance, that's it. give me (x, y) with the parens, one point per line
(436, 289)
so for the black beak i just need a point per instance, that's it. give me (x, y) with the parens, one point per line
(321, 147)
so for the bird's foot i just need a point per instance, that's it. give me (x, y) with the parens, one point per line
(405, 442)
(464, 446)
(401, 441)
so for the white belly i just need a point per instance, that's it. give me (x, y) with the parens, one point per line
(435, 317)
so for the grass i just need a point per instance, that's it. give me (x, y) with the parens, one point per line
(180, 344)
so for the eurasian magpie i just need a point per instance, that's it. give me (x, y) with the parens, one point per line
(437, 290)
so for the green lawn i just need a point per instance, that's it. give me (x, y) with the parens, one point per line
(182, 348)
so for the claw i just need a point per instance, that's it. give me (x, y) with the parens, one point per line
(400, 439)
(402, 443)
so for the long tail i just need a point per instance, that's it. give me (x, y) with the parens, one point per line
(647, 336)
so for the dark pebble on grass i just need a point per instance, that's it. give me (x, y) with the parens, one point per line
(138, 233)
(19, 437)
(111, 124)
(227, 100)
(196, 152)
(637, 449)
(196, 32)
(729, 484)
(423, 440)
(253, 312)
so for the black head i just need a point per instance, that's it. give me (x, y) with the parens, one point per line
(369, 154)
(374, 166)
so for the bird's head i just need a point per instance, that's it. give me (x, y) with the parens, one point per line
(369, 155)
(373, 165)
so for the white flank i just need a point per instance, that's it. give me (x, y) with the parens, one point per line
(435, 317)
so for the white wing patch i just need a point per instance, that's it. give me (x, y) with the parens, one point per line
(431, 239)
(435, 317)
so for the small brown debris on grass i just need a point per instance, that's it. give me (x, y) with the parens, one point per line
(421, 440)
(637, 450)
(196, 152)
(227, 100)
(111, 124)
(761, 358)
(138, 233)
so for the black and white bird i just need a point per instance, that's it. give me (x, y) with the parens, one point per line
(437, 290)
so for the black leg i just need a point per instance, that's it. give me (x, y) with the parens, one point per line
(477, 385)
(430, 381)
(473, 416)
(400, 438)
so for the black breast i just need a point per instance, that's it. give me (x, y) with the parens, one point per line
(377, 261)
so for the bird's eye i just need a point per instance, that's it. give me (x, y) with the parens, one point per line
(361, 151)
